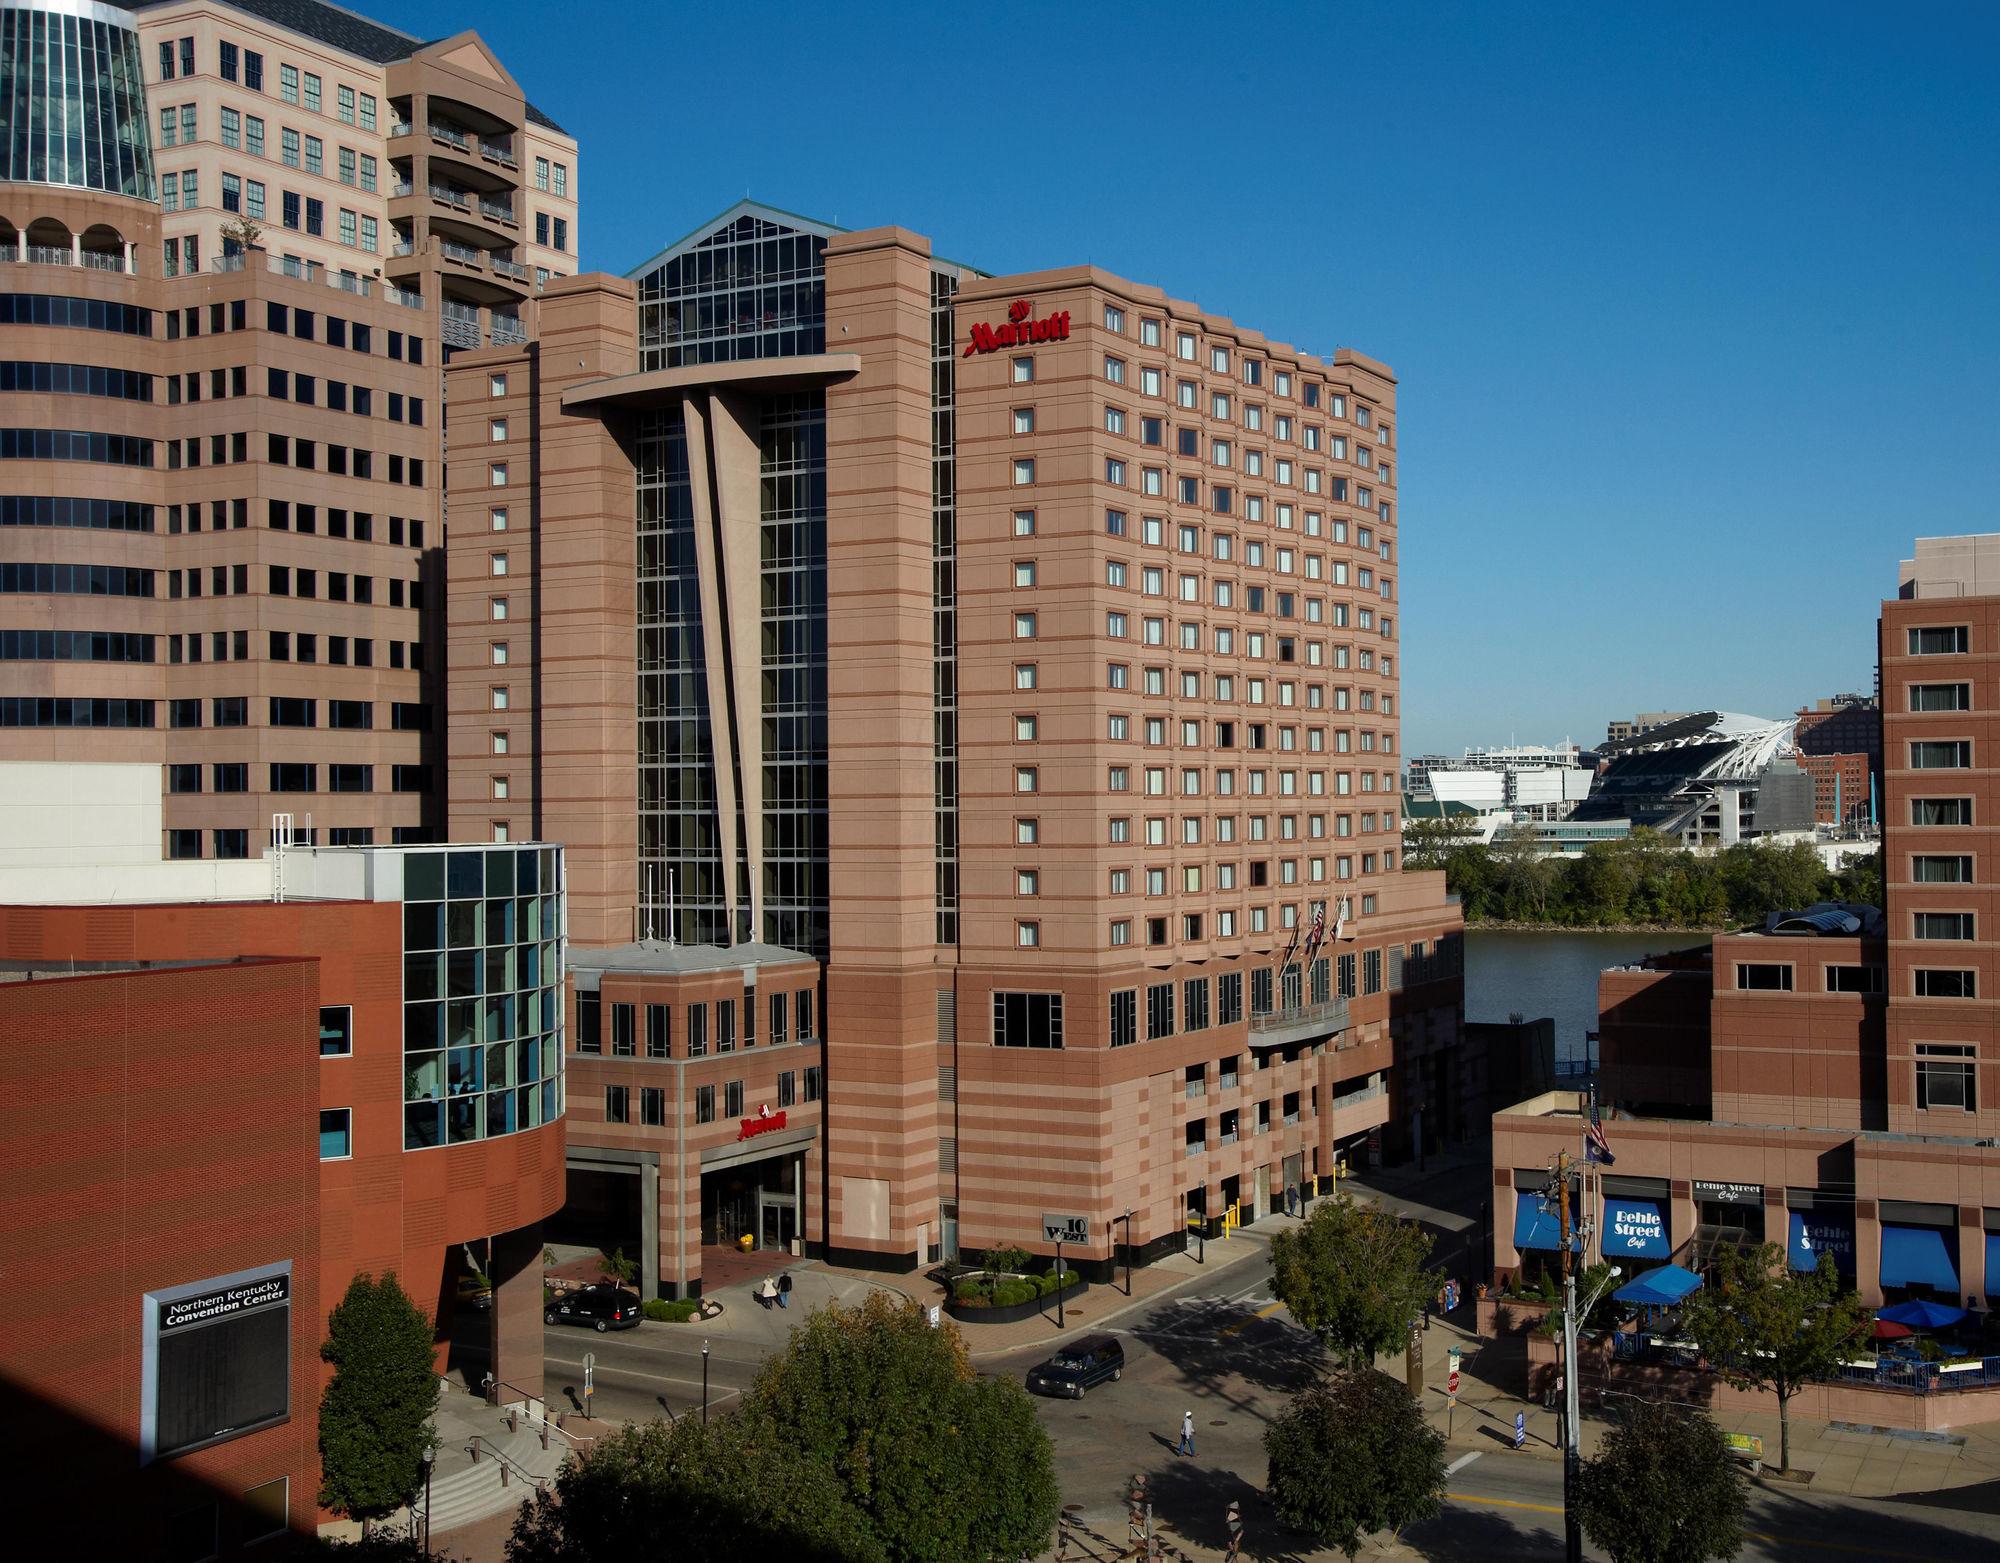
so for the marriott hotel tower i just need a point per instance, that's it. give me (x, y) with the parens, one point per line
(970, 706)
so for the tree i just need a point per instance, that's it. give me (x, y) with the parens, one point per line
(1431, 843)
(1763, 1325)
(683, 1493)
(1355, 1276)
(615, 1266)
(1524, 876)
(1663, 1488)
(869, 1439)
(1352, 1455)
(375, 1418)
(941, 1463)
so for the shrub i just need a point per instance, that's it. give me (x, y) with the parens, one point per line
(1006, 1259)
(969, 1291)
(666, 1311)
(1009, 1292)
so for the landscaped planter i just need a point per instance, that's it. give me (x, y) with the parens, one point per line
(1498, 1315)
(1013, 1313)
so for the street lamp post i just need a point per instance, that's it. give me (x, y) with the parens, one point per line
(704, 1383)
(430, 1463)
(1572, 1410)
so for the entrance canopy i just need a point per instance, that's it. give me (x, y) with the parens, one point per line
(1634, 1228)
(1659, 1288)
(1917, 1256)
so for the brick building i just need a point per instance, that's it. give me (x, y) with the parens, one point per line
(1840, 747)
(1017, 654)
(1832, 1081)
(274, 1074)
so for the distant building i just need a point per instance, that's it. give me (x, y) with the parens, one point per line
(1624, 732)
(1529, 781)
(1840, 746)
(1709, 780)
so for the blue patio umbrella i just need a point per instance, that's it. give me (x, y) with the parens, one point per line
(1659, 1288)
(1923, 1314)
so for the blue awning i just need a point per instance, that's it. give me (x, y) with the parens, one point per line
(1535, 1227)
(1659, 1288)
(1634, 1229)
(1917, 1256)
(1992, 1266)
(1817, 1231)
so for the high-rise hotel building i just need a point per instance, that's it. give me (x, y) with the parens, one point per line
(237, 243)
(970, 706)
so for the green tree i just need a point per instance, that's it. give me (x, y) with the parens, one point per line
(1760, 879)
(375, 1418)
(1524, 877)
(685, 1493)
(1355, 1276)
(1860, 879)
(1432, 843)
(615, 1266)
(941, 1463)
(1763, 1325)
(1353, 1455)
(1663, 1488)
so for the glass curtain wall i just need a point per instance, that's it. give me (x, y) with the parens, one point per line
(73, 100)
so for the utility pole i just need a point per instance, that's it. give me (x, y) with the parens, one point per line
(1571, 1414)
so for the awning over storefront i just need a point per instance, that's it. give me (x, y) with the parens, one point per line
(1822, 1230)
(1634, 1229)
(1535, 1227)
(1917, 1256)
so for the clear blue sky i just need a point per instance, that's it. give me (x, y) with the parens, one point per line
(1696, 308)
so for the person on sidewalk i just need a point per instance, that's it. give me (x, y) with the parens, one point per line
(785, 1290)
(767, 1293)
(1232, 1527)
(1187, 1434)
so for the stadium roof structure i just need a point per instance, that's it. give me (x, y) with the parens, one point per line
(1664, 776)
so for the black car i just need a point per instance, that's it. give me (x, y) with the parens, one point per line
(601, 1307)
(1096, 1359)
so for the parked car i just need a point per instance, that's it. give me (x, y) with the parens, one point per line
(600, 1307)
(1096, 1359)
(474, 1294)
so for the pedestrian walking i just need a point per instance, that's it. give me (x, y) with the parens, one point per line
(1232, 1525)
(767, 1294)
(785, 1290)
(1187, 1433)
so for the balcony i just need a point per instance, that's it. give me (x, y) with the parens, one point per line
(464, 254)
(450, 135)
(459, 324)
(508, 330)
(498, 149)
(499, 211)
(48, 255)
(508, 268)
(1303, 1023)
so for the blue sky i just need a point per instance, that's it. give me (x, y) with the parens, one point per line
(1696, 308)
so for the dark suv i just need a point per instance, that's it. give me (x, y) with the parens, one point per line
(601, 1307)
(1093, 1360)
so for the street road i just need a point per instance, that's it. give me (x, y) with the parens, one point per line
(1224, 1348)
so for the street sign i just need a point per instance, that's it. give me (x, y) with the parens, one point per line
(1451, 1297)
(1451, 1384)
(1746, 1444)
(1065, 1229)
(936, 1314)
(1520, 1429)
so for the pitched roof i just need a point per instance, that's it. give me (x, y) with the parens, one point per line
(339, 28)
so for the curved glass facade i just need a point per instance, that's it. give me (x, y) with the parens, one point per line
(73, 100)
(482, 992)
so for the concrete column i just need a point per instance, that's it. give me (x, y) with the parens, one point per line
(1973, 1281)
(128, 256)
(649, 1227)
(517, 1312)
(1868, 1251)
(76, 249)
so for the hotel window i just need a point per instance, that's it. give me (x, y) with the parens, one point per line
(1024, 370)
(497, 473)
(344, 99)
(704, 1101)
(1763, 977)
(1940, 697)
(1940, 641)
(1218, 359)
(1027, 831)
(367, 111)
(1024, 469)
(653, 1102)
(498, 653)
(1024, 729)
(1184, 345)
(499, 564)
(1943, 925)
(1114, 471)
(1026, 778)
(1151, 383)
(1027, 881)
(1185, 394)
(1929, 984)
(232, 129)
(1935, 869)
(336, 1133)
(496, 429)
(1028, 935)
(1025, 675)
(499, 743)
(1945, 1076)
(1114, 420)
(499, 693)
(1115, 625)
(1024, 523)
(1114, 319)
(1941, 755)
(312, 92)
(1024, 572)
(1114, 370)
(1940, 811)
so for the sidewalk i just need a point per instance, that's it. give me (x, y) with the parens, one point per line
(1840, 1457)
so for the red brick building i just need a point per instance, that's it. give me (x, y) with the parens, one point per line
(228, 1090)
(1834, 1080)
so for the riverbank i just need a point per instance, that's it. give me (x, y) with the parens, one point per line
(1503, 925)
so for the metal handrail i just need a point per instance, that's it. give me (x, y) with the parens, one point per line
(508, 268)
(451, 195)
(460, 252)
(496, 209)
(103, 261)
(50, 255)
(450, 135)
(1334, 1010)
(507, 1463)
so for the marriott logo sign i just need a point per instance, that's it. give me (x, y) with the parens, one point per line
(1019, 329)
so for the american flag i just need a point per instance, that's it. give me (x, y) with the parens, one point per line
(1318, 930)
(1595, 1147)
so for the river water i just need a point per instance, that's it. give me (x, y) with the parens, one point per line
(1535, 974)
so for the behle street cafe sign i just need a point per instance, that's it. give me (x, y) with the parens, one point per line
(1019, 329)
